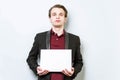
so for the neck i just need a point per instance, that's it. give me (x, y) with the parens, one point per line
(58, 31)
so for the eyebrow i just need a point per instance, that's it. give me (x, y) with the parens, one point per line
(59, 13)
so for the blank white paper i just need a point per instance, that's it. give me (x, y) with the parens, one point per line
(56, 60)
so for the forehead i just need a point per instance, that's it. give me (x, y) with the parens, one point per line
(57, 10)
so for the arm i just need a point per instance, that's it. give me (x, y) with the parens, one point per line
(33, 55)
(78, 62)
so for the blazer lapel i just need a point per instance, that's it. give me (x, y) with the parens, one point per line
(66, 40)
(48, 40)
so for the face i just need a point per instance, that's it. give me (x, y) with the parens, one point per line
(58, 18)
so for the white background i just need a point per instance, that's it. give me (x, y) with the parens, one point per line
(97, 22)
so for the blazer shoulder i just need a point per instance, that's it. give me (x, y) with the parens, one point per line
(74, 38)
(41, 33)
(73, 35)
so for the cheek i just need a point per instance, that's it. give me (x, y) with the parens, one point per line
(52, 19)
(65, 20)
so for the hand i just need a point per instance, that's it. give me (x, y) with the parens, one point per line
(68, 73)
(41, 71)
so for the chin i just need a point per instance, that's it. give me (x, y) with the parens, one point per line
(57, 26)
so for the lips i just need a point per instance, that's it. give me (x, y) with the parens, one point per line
(57, 20)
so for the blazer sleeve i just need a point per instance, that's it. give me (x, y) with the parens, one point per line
(78, 62)
(33, 55)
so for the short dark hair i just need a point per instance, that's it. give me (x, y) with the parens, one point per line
(58, 6)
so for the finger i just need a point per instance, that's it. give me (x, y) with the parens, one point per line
(38, 68)
(69, 73)
(40, 72)
(44, 72)
(65, 72)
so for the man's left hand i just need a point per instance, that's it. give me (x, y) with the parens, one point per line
(68, 73)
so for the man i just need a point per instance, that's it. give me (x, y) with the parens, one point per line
(56, 38)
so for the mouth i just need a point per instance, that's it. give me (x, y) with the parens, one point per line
(57, 20)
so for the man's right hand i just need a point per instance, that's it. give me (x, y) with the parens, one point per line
(41, 71)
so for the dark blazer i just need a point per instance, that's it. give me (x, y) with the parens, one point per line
(42, 41)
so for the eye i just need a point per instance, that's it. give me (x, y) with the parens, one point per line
(53, 14)
(61, 14)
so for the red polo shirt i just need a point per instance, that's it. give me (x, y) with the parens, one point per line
(57, 42)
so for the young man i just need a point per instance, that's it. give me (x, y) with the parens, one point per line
(56, 38)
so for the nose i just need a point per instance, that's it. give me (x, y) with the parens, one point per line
(57, 16)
